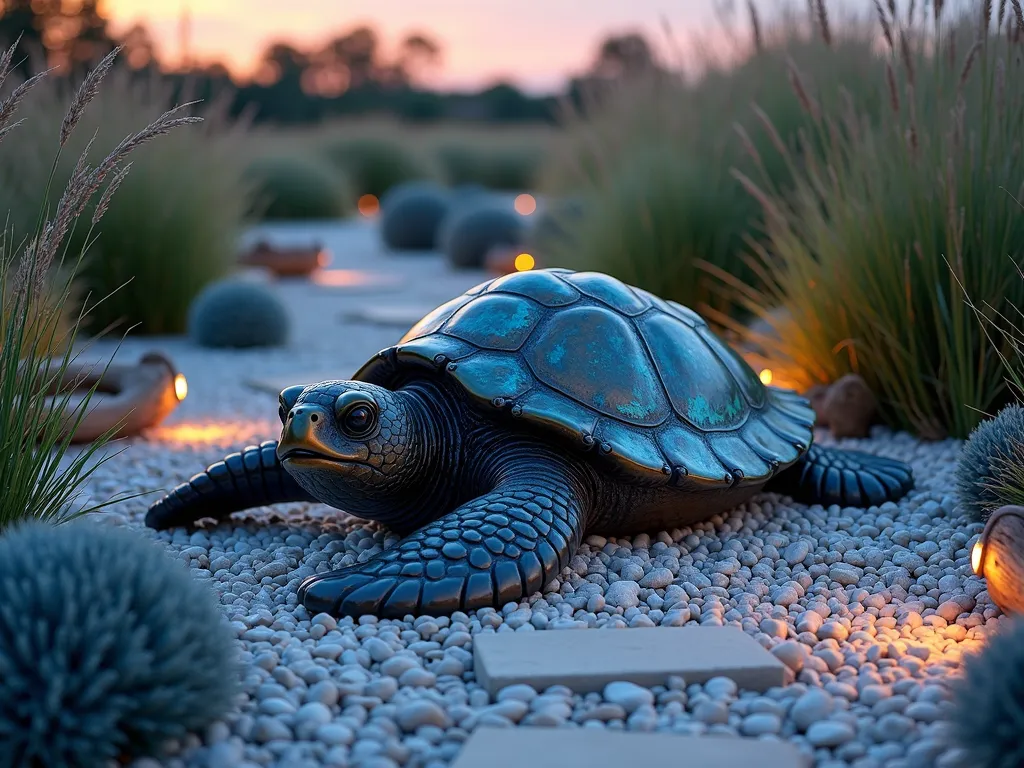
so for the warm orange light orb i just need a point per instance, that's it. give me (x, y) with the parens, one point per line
(766, 376)
(180, 387)
(524, 262)
(368, 205)
(976, 554)
(525, 204)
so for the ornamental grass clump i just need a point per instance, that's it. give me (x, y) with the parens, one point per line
(373, 165)
(172, 230)
(39, 265)
(894, 235)
(651, 160)
(296, 187)
(109, 648)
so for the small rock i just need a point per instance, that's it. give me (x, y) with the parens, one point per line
(811, 707)
(413, 714)
(829, 733)
(623, 594)
(760, 724)
(657, 578)
(629, 696)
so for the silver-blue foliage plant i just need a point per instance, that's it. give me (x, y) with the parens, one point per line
(108, 647)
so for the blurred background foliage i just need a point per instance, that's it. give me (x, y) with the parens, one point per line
(835, 194)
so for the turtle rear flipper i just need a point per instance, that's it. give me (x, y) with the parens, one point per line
(252, 478)
(848, 478)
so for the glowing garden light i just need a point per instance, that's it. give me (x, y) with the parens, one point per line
(368, 205)
(180, 387)
(524, 262)
(765, 376)
(525, 204)
(998, 557)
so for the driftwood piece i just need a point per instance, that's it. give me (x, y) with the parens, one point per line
(999, 558)
(130, 397)
(293, 261)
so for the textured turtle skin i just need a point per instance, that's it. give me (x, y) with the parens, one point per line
(547, 404)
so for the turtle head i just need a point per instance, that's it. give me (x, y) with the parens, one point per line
(349, 444)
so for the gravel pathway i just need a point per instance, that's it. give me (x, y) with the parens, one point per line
(871, 609)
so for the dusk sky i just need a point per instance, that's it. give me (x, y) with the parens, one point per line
(535, 43)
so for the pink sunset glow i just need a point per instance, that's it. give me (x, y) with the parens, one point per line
(532, 43)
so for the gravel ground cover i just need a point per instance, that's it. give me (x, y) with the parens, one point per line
(871, 609)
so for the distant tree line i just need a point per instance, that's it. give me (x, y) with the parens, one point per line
(348, 75)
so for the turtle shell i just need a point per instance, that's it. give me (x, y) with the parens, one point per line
(640, 382)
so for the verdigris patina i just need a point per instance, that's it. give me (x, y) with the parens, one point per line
(514, 419)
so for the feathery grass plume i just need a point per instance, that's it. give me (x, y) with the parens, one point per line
(1018, 13)
(987, 716)
(110, 648)
(755, 27)
(886, 25)
(108, 193)
(885, 234)
(39, 412)
(823, 25)
(86, 93)
(171, 229)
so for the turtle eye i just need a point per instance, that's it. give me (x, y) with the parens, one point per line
(356, 413)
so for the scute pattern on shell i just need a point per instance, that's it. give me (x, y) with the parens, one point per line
(641, 381)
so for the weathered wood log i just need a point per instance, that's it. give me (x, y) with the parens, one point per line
(294, 261)
(998, 557)
(129, 397)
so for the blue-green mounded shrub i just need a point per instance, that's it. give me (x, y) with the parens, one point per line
(990, 472)
(240, 314)
(411, 215)
(988, 701)
(478, 228)
(108, 647)
(296, 187)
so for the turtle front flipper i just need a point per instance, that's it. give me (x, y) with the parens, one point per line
(847, 478)
(493, 550)
(251, 478)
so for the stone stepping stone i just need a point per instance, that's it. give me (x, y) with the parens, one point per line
(587, 660)
(394, 315)
(540, 747)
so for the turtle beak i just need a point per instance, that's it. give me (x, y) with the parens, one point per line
(306, 435)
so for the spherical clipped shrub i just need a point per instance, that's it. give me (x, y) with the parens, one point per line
(108, 647)
(238, 313)
(476, 230)
(991, 468)
(411, 215)
(296, 187)
(988, 701)
(374, 166)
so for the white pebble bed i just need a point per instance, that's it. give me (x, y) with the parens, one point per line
(871, 609)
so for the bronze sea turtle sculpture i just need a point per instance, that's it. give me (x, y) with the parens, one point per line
(509, 422)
